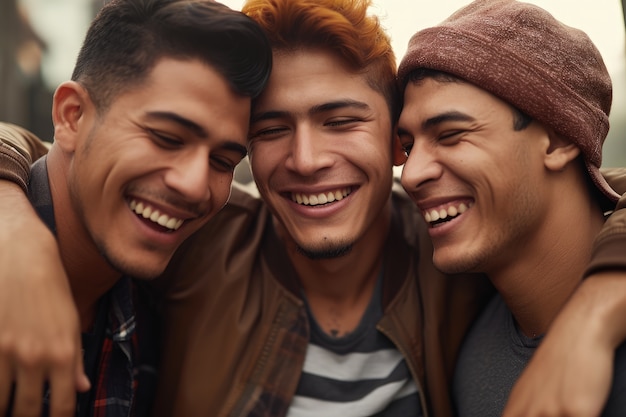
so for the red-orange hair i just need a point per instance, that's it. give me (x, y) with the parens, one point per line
(341, 26)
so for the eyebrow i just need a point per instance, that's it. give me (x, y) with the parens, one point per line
(451, 116)
(178, 119)
(317, 109)
(339, 104)
(196, 129)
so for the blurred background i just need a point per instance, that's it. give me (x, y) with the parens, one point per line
(39, 41)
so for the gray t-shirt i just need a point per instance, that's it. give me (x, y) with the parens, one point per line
(493, 356)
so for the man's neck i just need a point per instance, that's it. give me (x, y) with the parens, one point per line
(90, 275)
(547, 270)
(339, 289)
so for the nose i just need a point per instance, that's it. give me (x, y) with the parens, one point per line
(421, 167)
(308, 152)
(190, 175)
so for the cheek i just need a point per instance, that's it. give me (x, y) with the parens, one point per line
(220, 192)
(264, 156)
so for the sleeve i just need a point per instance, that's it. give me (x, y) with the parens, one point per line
(609, 251)
(18, 148)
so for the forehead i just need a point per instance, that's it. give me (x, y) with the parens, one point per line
(202, 96)
(430, 97)
(305, 78)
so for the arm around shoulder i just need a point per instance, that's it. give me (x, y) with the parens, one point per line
(571, 372)
(42, 342)
(610, 245)
(18, 148)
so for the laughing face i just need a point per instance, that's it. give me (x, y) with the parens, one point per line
(320, 152)
(154, 166)
(477, 181)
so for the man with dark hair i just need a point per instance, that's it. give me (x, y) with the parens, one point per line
(504, 156)
(146, 138)
(321, 298)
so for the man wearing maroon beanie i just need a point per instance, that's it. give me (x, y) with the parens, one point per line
(505, 113)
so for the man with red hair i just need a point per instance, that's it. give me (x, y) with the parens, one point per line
(321, 297)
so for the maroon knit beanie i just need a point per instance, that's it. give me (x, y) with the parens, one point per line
(523, 55)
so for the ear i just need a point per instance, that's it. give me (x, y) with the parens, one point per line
(70, 104)
(399, 157)
(560, 152)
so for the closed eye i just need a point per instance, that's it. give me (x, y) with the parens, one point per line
(342, 122)
(222, 164)
(164, 140)
(268, 133)
(449, 135)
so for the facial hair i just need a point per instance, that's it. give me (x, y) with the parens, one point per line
(328, 253)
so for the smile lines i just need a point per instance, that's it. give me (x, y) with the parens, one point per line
(152, 214)
(321, 198)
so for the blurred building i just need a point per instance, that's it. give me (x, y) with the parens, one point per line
(24, 99)
(30, 68)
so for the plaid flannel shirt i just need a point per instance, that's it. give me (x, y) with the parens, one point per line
(125, 376)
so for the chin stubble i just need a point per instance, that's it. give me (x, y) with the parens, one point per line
(329, 253)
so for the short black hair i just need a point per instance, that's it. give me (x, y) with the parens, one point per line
(128, 37)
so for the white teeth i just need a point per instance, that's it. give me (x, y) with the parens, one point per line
(443, 213)
(321, 198)
(155, 216)
(171, 223)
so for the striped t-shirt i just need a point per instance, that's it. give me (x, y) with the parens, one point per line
(360, 374)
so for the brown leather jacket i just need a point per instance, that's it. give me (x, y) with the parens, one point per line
(236, 331)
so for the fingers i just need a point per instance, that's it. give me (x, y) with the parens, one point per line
(62, 392)
(29, 367)
(6, 385)
(66, 364)
(82, 382)
(28, 393)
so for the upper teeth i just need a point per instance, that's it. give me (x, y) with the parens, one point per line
(451, 211)
(321, 198)
(152, 214)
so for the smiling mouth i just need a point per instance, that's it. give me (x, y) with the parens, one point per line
(319, 199)
(155, 216)
(442, 215)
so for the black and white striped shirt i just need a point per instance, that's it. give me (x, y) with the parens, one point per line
(360, 374)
